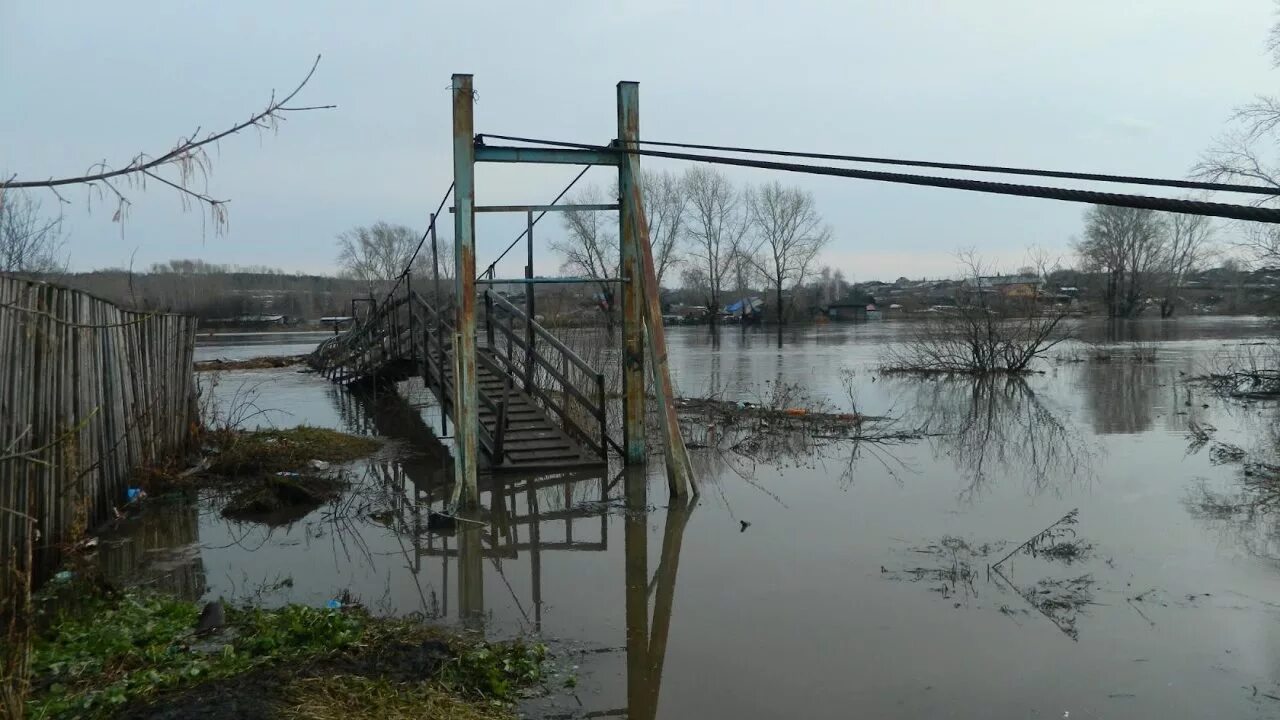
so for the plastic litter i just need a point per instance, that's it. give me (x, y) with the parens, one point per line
(319, 465)
(333, 605)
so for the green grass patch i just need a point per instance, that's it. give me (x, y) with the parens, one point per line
(136, 654)
(110, 653)
(494, 671)
(348, 697)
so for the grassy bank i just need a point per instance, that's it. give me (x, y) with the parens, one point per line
(135, 654)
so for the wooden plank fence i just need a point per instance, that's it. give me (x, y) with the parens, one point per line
(89, 392)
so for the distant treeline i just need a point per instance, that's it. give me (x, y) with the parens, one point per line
(224, 293)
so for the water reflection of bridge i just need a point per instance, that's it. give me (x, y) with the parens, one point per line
(527, 516)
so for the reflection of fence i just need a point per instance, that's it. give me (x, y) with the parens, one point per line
(88, 393)
(160, 549)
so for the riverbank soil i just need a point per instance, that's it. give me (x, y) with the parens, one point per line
(273, 476)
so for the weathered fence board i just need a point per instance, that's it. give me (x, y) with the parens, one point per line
(89, 392)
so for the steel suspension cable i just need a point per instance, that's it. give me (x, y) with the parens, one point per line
(524, 232)
(1144, 202)
(1000, 169)
(425, 234)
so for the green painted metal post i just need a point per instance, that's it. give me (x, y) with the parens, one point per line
(529, 310)
(633, 396)
(466, 417)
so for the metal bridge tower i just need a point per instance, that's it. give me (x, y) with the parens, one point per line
(643, 337)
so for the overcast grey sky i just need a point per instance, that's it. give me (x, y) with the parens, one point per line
(1126, 86)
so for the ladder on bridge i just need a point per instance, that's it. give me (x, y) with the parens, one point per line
(542, 407)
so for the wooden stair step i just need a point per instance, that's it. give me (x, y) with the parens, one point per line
(522, 410)
(548, 444)
(529, 455)
(538, 433)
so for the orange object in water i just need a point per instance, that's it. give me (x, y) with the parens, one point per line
(796, 411)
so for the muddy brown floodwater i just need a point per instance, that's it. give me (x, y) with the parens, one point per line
(817, 580)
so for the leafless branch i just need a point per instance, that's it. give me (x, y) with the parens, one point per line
(188, 157)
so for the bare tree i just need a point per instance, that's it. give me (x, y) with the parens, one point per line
(694, 279)
(997, 334)
(718, 224)
(830, 285)
(1127, 245)
(185, 167)
(376, 254)
(1041, 263)
(1187, 247)
(590, 249)
(426, 269)
(742, 273)
(789, 235)
(1245, 153)
(29, 241)
(665, 204)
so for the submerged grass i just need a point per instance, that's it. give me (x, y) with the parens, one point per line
(234, 454)
(258, 363)
(280, 500)
(137, 654)
(274, 475)
(242, 452)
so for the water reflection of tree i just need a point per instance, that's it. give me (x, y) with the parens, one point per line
(993, 424)
(1242, 515)
(744, 447)
(1247, 509)
(1120, 396)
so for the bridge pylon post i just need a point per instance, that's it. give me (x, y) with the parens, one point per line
(633, 395)
(466, 418)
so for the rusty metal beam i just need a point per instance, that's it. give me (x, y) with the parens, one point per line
(633, 395)
(642, 310)
(554, 156)
(679, 469)
(549, 281)
(466, 401)
(542, 208)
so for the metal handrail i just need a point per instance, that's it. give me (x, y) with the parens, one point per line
(595, 407)
(410, 326)
(541, 331)
(494, 442)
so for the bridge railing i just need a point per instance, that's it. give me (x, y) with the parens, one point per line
(431, 335)
(550, 372)
(409, 328)
(376, 337)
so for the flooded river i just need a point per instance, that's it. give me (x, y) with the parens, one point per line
(816, 579)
